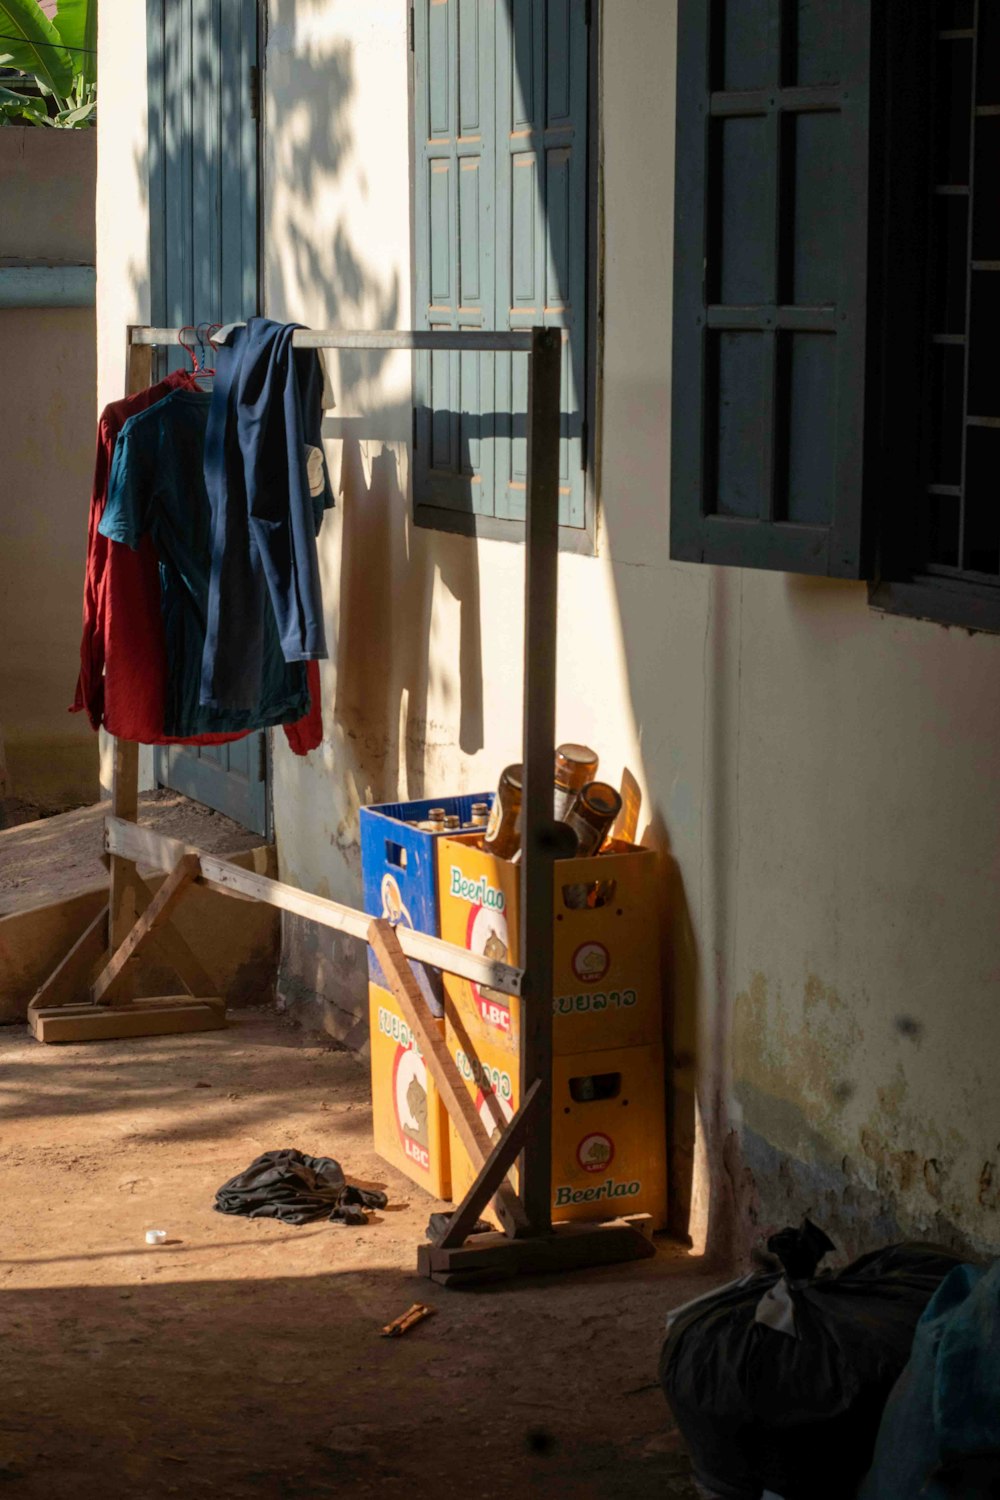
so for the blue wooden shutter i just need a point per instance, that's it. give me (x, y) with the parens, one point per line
(500, 130)
(202, 61)
(541, 175)
(771, 284)
(202, 160)
(454, 209)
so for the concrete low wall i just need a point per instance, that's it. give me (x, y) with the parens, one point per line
(237, 941)
(47, 189)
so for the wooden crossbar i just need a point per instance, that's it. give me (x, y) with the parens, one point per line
(475, 340)
(126, 840)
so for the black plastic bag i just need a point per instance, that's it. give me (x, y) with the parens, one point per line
(778, 1381)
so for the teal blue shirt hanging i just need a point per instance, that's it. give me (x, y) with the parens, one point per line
(157, 486)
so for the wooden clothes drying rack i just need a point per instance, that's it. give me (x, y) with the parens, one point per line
(102, 964)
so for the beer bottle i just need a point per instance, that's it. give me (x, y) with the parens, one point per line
(575, 766)
(592, 814)
(452, 820)
(503, 831)
(436, 815)
(480, 815)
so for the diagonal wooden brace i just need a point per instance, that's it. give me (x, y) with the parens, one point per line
(173, 889)
(72, 973)
(172, 947)
(455, 1096)
(494, 1172)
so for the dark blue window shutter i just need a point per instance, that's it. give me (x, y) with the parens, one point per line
(500, 131)
(771, 284)
(454, 202)
(202, 160)
(202, 61)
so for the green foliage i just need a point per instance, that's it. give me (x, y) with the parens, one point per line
(76, 23)
(60, 55)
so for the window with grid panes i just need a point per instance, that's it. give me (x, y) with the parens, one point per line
(837, 296)
(501, 227)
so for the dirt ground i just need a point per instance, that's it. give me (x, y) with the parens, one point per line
(47, 858)
(242, 1359)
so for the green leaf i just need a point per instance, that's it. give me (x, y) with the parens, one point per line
(13, 106)
(32, 45)
(78, 116)
(76, 23)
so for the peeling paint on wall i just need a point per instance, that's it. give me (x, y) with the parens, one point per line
(838, 1126)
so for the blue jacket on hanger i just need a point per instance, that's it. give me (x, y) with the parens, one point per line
(268, 488)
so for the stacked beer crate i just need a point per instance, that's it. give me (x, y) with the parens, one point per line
(608, 1121)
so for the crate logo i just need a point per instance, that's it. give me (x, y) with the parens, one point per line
(591, 962)
(393, 906)
(564, 1196)
(489, 1079)
(486, 933)
(476, 892)
(595, 1152)
(409, 1090)
(492, 1082)
(565, 1005)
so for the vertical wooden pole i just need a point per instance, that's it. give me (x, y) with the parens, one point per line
(538, 833)
(125, 776)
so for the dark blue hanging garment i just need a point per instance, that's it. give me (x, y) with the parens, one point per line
(268, 488)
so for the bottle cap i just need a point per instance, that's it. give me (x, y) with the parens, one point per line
(577, 754)
(575, 766)
(513, 776)
(601, 798)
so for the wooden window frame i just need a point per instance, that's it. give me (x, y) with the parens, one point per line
(573, 539)
(885, 546)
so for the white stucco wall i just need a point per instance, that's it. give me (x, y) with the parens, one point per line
(823, 777)
(122, 223)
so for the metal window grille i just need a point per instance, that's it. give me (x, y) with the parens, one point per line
(961, 460)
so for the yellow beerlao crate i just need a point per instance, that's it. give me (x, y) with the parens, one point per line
(607, 990)
(608, 1125)
(410, 1124)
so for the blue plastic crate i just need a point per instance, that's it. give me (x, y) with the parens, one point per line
(399, 873)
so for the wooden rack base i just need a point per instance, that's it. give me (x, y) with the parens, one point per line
(59, 1013)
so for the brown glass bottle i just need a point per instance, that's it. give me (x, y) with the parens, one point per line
(503, 831)
(592, 814)
(575, 766)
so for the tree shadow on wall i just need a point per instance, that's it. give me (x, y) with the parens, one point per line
(381, 611)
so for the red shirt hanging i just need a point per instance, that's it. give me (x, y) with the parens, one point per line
(123, 662)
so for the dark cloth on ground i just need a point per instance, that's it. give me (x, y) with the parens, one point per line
(296, 1189)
